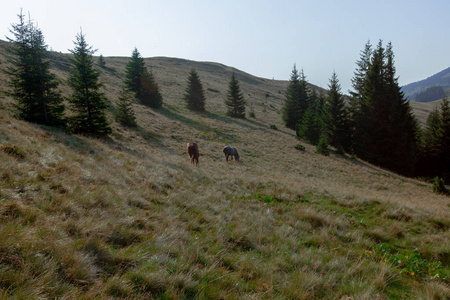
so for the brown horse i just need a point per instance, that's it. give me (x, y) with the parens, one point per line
(192, 149)
(231, 151)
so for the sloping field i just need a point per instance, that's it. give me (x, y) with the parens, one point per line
(129, 217)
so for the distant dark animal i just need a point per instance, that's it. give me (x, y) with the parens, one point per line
(192, 149)
(231, 151)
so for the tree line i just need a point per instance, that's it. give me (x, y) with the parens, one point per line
(375, 123)
(432, 93)
(38, 99)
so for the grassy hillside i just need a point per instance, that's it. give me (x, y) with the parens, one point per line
(129, 217)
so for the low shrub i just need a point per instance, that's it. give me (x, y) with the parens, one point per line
(300, 147)
(274, 127)
(439, 186)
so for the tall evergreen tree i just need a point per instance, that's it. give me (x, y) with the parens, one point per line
(133, 75)
(194, 94)
(291, 111)
(385, 129)
(304, 102)
(371, 126)
(141, 81)
(430, 150)
(235, 101)
(125, 114)
(297, 101)
(151, 95)
(87, 102)
(33, 86)
(444, 138)
(403, 126)
(335, 117)
(311, 125)
(363, 65)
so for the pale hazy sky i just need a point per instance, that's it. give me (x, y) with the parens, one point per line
(263, 38)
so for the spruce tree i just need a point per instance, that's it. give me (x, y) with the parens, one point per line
(297, 101)
(33, 86)
(363, 65)
(386, 131)
(304, 101)
(444, 139)
(142, 82)
(430, 150)
(371, 126)
(235, 101)
(335, 117)
(403, 126)
(133, 75)
(310, 127)
(151, 96)
(194, 95)
(101, 61)
(87, 102)
(125, 114)
(291, 111)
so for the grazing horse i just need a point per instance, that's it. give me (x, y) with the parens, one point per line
(231, 151)
(192, 149)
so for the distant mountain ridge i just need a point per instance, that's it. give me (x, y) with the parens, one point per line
(439, 79)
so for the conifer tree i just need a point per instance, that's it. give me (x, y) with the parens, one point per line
(194, 95)
(310, 127)
(386, 131)
(235, 101)
(291, 111)
(444, 138)
(363, 65)
(304, 102)
(133, 75)
(403, 126)
(297, 101)
(335, 117)
(125, 114)
(430, 150)
(33, 86)
(101, 61)
(151, 96)
(142, 82)
(87, 102)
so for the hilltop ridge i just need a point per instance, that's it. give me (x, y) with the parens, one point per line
(441, 78)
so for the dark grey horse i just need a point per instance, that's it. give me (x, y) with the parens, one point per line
(231, 151)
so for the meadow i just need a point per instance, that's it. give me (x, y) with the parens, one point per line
(128, 216)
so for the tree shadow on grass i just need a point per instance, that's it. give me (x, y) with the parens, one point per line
(84, 144)
(171, 113)
(376, 170)
(243, 122)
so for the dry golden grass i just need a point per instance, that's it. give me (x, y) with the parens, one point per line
(129, 217)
